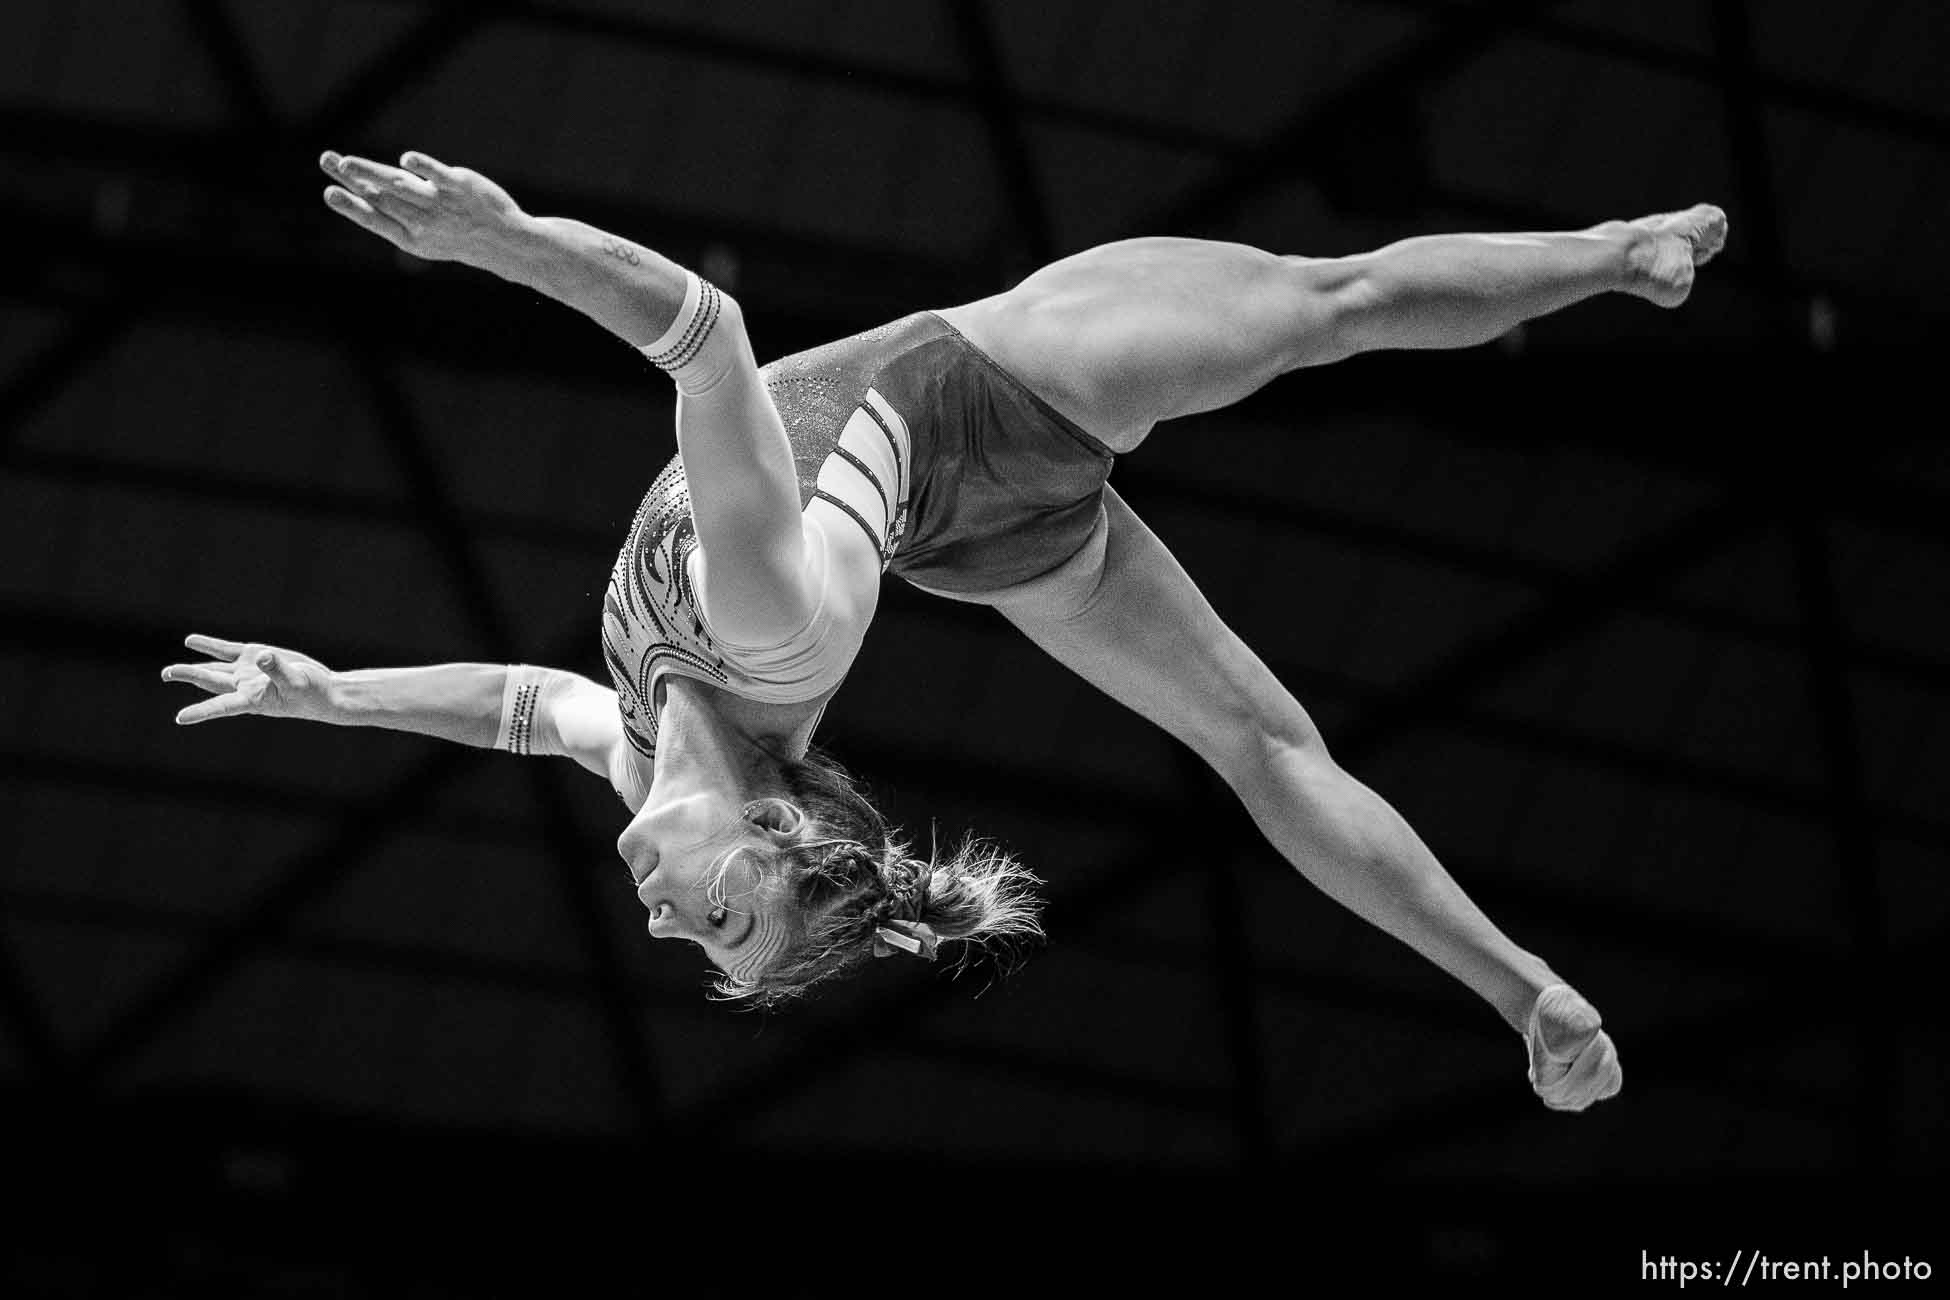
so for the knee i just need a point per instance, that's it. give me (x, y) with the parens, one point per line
(1346, 307)
(1267, 746)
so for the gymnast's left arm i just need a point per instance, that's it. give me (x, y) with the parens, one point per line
(756, 569)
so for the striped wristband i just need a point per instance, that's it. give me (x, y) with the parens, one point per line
(518, 701)
(691, 351)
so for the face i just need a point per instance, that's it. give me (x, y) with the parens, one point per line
(672, 848)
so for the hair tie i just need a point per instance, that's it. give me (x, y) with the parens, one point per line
(897, 919)
(916, 937)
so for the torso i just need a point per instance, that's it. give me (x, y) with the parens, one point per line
(855, 472)
(915, 451)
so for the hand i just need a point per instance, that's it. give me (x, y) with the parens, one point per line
(424, 207)
(247, 677)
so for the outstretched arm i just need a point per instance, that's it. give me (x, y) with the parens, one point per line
(757, 581)
(529, 710)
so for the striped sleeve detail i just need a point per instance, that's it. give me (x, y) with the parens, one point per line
(871, 477)
(901, 446)
(872, 408)
(857, 517)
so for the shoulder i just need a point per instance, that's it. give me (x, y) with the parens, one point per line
(850, 583)
(630, 773)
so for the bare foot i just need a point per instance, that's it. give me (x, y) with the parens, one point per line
(1572, 1060)
(1666, 248)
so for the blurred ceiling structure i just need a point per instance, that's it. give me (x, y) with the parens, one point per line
(1638, 617)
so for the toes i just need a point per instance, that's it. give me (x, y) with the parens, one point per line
(1709, 233)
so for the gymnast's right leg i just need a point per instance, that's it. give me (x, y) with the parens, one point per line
(1122, 336)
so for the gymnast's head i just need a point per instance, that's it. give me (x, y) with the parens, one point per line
(795, 878)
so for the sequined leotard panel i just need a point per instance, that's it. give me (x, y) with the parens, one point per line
(961, 477)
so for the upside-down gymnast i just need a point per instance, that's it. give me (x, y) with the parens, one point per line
(965, 450)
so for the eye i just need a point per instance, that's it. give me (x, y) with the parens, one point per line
(717, 915)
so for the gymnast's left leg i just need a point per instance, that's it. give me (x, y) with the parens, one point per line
(1140, 630)
(1122, 336)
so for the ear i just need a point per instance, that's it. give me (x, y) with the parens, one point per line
(773, 814)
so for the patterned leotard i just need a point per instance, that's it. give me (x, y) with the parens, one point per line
(962, 478)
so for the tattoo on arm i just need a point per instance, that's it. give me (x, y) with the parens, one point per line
(618, 249)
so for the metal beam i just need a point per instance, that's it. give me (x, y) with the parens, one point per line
(1552, 622)
(59, 362)
(27, 1022)
(1034, 236)
(527, 979)
(1843, 107)
(1648, 930)
(1472, 667)
(1751, 162)
(1789, 1002)
(119, 640)
(638, 1078)
(800, 269)
(1231, 956)
(299, 882)
(1331, 126)
(696, 45)
(700, 45)
(230, 61)
(1854, 834)
(411, 61)
(1171, 493)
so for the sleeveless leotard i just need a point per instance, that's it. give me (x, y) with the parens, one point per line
(962, 478)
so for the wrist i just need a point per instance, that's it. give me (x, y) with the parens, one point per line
(338, 700)
(521, 251)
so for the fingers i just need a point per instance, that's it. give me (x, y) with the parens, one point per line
(376, 182)
(427, 167)
(216, 680)
(385, 204)
(229, 705)
(270, 665)
(363, 214)
(215, 646)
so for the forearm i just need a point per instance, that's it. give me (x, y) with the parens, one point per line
(1351, 844)
(457, 702)
(629, 290)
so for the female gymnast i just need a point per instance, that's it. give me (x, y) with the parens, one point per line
(965, 450)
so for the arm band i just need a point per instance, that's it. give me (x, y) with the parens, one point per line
(526, 725)
(694, 352)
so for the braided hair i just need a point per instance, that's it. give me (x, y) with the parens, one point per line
(856, 890)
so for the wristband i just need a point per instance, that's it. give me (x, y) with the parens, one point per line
(693, 351)
(519, 701)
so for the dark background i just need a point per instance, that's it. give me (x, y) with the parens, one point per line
(1639, 617)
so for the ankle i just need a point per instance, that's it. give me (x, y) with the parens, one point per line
(1528, 980)
(1631, 248)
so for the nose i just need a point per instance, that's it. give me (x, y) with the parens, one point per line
(638, 854)
(667, 920)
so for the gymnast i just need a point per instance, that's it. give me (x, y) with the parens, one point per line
(965, 450)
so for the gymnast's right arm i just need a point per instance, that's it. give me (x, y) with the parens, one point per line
(759, 577)
(516, 707)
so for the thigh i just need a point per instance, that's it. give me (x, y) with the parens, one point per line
(1144, 633)
(1122, 336)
